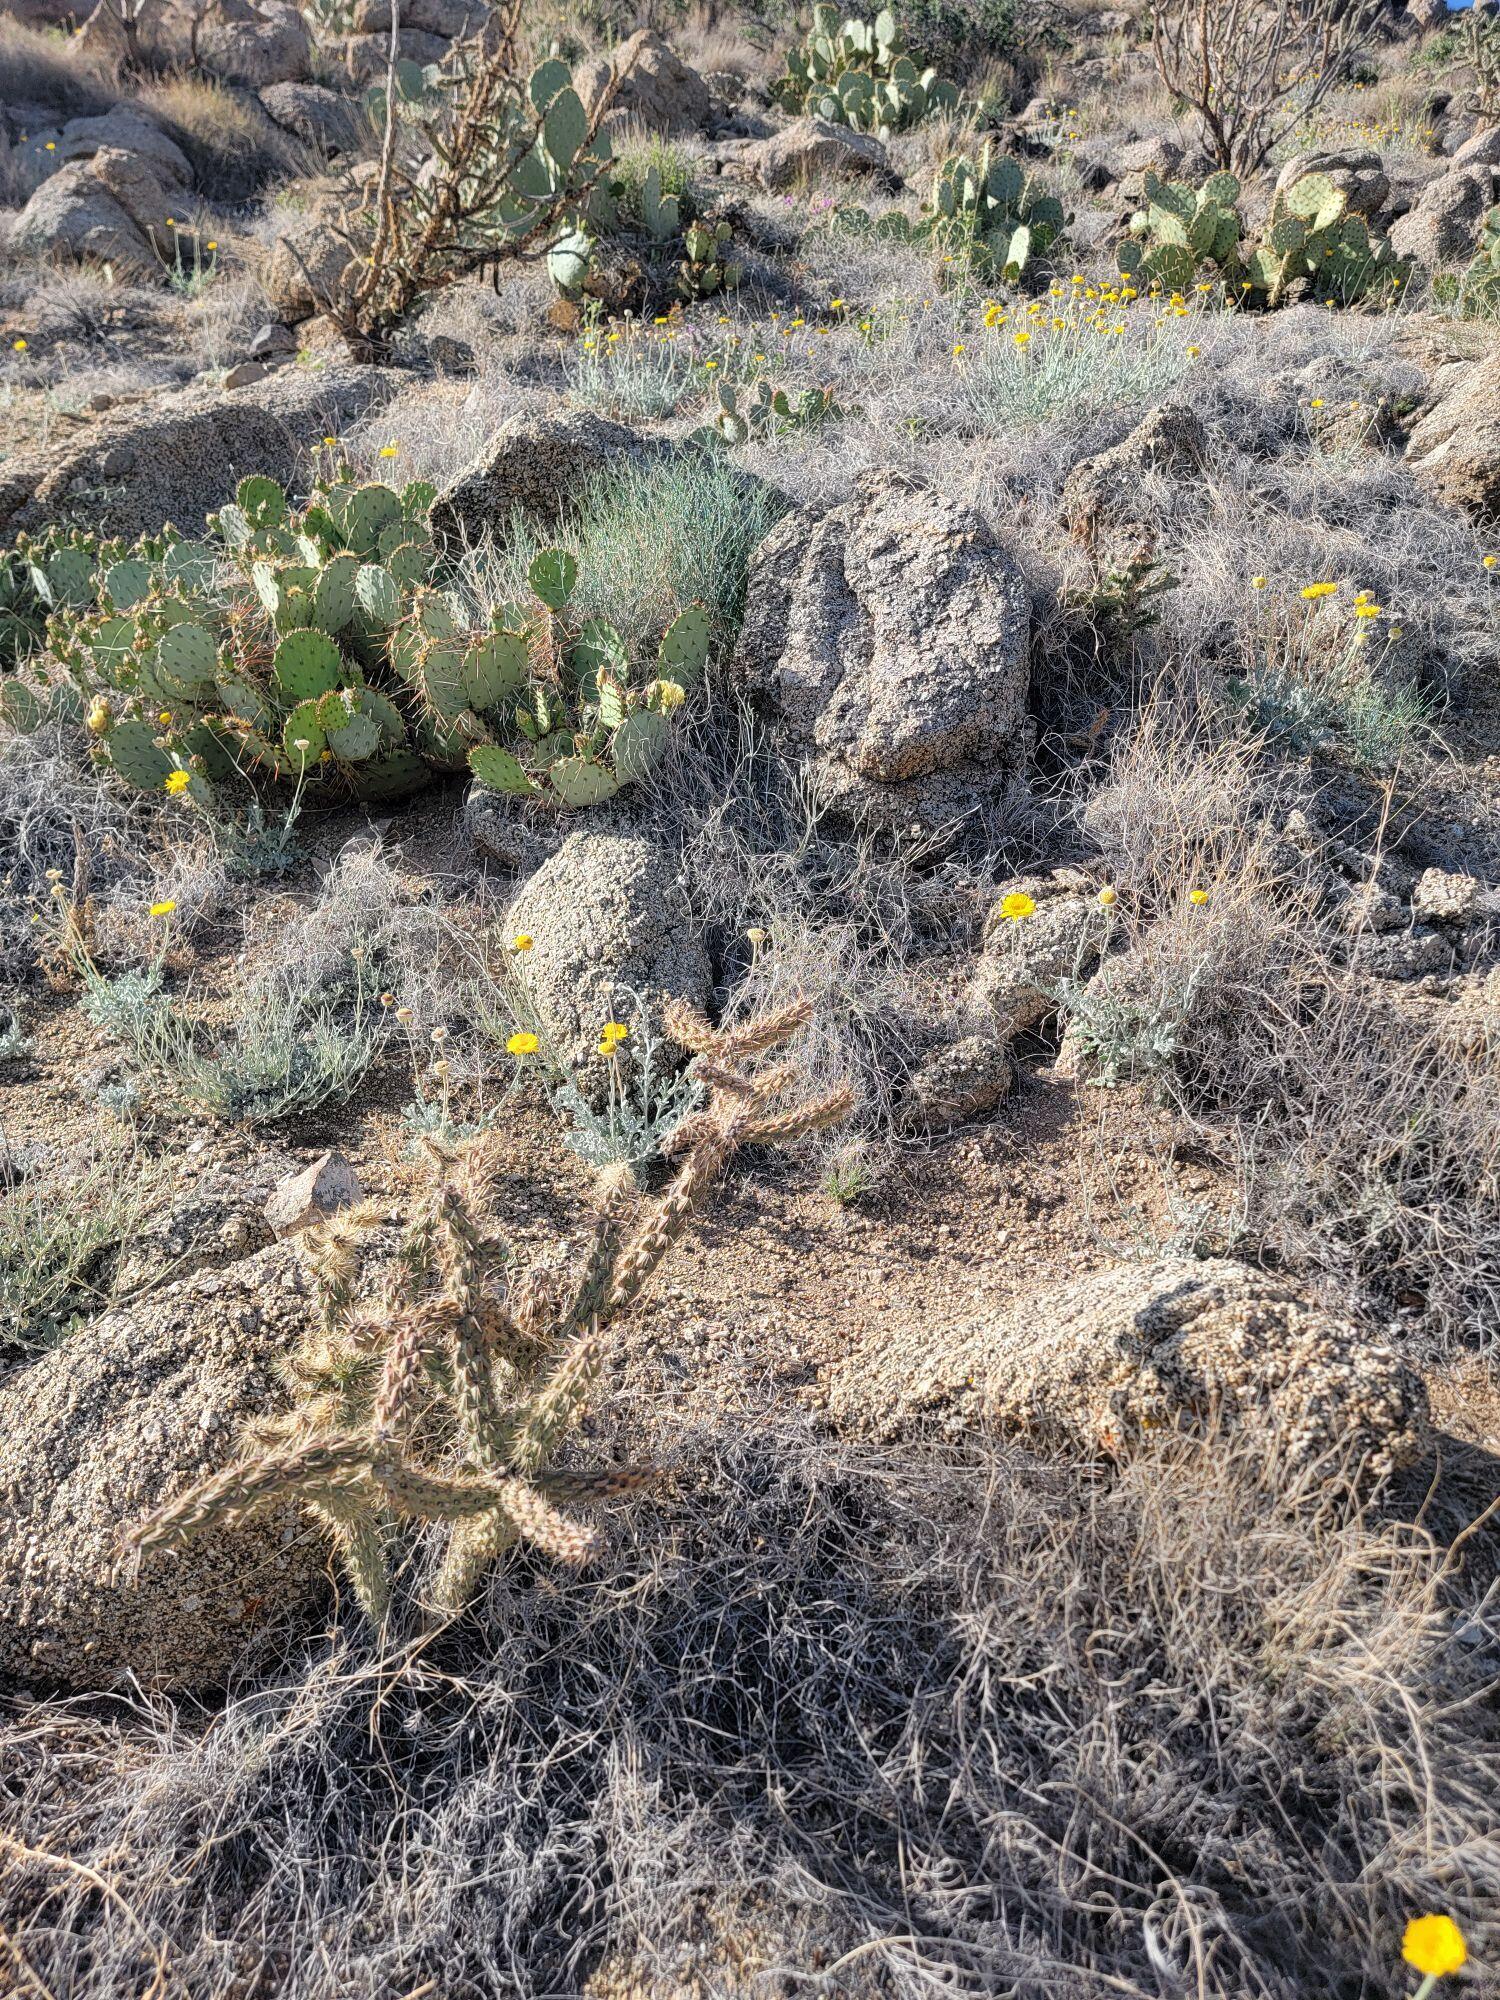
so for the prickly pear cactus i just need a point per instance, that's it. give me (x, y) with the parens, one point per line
(858, 73)
(1314, 248)
(587, 723)
(1180, 230)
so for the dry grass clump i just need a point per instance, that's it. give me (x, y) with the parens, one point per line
(234, 148)
(40, 67)
(1366, 1138)
(971, 1727)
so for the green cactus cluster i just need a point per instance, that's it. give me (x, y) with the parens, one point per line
(674, 250)
(39, 575)
(318, 647)
(1180, 229)
(1312, 245)
(989, 213)
(858, 73)
(986, 214)
(586, 722)
(767, 412)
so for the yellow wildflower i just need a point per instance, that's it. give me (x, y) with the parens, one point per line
(1198, 897)
(522, 941)
(523, 1044)
(1314, 590)
(164, 909)
(1434, 1945)
(1017, 905)
(178, 781)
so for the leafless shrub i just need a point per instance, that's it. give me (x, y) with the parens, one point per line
(1254, 72)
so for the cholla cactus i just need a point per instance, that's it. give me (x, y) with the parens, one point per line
(858, 73)
(448, 1399)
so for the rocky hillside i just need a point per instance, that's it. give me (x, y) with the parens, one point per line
(749, 1000)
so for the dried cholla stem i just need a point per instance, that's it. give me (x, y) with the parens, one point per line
(447, 1401)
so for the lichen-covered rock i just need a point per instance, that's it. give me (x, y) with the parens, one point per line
(98, 1431)
(109, 209)
(1455, 448)
(885, 641)
(1443, 226)
(1024, 960)
(955, 1083)
(1114, 489)
(812, 149)
(126, 128)
(608, 921)
(182, 455)
(656, 88)
(1441, 897)
(255, 44)
(534, 464)
(1359, 176)
(1208, 1347)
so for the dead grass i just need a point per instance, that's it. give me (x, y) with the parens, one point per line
(891, 1728)
(234, 148)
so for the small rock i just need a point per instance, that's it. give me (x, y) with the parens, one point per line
(270, 340)
(244, 373)
(1444, 898)
(319, 1191)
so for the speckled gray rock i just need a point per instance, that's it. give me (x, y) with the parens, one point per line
(124, 1414)
(109, 209)
(885, 642)
(1204, 1346)
(203, 1229)
(302, 274)
(128, 130)
(1455, 448)
(363, 58)
(812, 149)
(1421, 952)
(253, 45)
(962, 1080)
(1443, 226)
(535, 464)
(181, 455)
(1358, 175)
(656, 89)
(608, 919)
(315, 114)
(1023, 960)
(1115, 488)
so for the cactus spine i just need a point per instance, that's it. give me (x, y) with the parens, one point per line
(449, 1402)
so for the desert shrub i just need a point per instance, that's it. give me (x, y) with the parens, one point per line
(652, 536)
(988, 1725)
(274, 1053)
(1253, 76)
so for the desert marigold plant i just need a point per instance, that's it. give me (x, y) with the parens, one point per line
(446, 1398)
